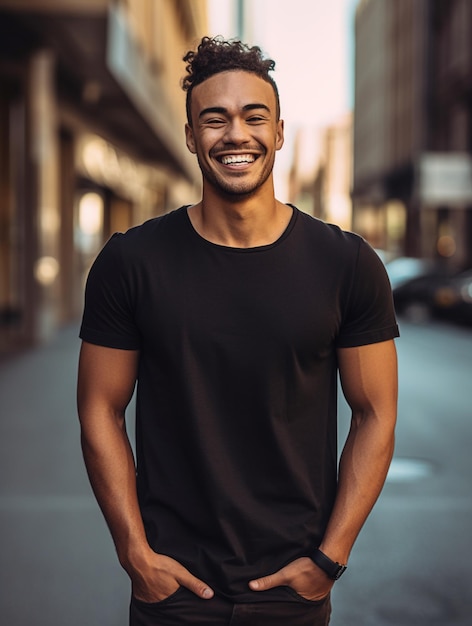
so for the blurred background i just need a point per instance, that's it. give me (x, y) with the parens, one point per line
(377, 101)
(376, 97)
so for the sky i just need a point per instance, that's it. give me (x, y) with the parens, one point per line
(312, 44)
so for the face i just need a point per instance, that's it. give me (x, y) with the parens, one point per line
(235, 133)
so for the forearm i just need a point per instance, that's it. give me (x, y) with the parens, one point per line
(362, 471)
(111, 469)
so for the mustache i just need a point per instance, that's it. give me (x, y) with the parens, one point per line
(229, 148)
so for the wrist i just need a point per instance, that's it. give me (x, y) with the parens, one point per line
(136, 558)
(336, 550)
(333, 569)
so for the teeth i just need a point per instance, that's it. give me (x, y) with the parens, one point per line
(237, 158)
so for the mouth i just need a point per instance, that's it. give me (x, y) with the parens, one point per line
(237, 159)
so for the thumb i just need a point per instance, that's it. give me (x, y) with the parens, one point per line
(267, 582)
(197, 586)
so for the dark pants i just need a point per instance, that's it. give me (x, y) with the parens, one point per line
(184, 608)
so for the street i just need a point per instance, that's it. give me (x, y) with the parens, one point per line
(411, 565)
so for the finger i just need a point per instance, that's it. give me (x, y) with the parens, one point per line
(268, 582)
(197, 586)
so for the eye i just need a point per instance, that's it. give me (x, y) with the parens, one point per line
(214, 122)
(256, 119)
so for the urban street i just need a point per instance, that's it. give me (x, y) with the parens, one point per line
(411, 565)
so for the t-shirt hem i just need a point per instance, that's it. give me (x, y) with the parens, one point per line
(107, 341)
(369, 337)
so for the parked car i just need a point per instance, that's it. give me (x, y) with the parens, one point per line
(414, 283)
(453, 297)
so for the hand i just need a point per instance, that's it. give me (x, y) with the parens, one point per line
(302, 575)
(161, 576)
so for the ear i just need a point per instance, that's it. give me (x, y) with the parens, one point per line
(279, 141)
(189, 138)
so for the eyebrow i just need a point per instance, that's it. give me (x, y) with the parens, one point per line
(223, 110)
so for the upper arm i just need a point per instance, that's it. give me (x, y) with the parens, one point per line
(369, 378)
(106, 379)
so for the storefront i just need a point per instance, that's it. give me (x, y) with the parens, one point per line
(82, 154)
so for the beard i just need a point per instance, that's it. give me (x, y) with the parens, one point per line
(236, 185)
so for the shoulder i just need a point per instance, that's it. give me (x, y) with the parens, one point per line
(161, 226)
(139, 246)
(347, 259)
(150, 235)
(330, 238)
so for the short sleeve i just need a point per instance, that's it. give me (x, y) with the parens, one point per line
(108, 318)
(370, 315)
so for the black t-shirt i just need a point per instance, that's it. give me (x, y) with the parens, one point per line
(237, 383)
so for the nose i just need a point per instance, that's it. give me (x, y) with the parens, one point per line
(236, 132)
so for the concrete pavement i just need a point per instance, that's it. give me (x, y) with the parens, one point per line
(57, 565)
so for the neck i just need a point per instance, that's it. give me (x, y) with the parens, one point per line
(240, 222)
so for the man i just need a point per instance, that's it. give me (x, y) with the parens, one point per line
(234, 316)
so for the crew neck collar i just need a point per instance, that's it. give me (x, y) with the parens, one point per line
(269, 246)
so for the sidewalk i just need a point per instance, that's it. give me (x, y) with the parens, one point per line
(58, 566)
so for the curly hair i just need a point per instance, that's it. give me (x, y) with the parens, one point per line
(215, 55)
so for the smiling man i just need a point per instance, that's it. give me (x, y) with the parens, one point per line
(236, 141)
(234, 128)
(235, 316)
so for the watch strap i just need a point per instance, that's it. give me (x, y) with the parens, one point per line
(333, 569)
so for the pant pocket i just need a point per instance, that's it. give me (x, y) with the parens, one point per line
(291, 592)
(169, 600)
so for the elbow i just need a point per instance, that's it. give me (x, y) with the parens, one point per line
(381, 424)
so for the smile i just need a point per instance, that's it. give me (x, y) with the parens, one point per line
(237, 158)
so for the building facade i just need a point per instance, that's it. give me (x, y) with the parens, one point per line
(412, 182)
(91, 141)
(333, 181)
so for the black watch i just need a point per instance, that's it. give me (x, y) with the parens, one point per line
(333, 569)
